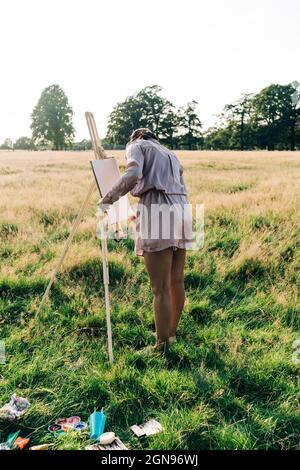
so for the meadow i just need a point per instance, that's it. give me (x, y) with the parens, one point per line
(229, 382)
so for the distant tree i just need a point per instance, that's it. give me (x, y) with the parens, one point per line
(168, 128)
(218, 138)
(146, 108)
(124, 118)
(239, 115)
(82, 145)
(292, 116)
(276, 116)
(52, 119)
(24, 143)
(7, 144)
(189, 126)
(154, 106)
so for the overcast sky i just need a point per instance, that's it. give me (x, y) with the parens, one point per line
(101, 51)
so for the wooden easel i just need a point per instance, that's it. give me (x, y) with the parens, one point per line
(99, 154)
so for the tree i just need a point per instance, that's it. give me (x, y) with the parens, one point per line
(293, 114)
(7, 145)
(168, 127)
(24, 143)
(190, 125)
(52, 119)
(82, 145)
(239, 115)
(155, 107)
(145, 108)
(276, 116)
(217, 138)
(124, 118)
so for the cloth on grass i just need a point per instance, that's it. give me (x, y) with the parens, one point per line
(15, 408)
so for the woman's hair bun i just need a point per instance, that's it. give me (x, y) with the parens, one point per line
(142, 133)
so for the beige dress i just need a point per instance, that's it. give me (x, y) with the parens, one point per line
(154, 174)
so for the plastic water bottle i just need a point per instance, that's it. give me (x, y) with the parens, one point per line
(97, 424)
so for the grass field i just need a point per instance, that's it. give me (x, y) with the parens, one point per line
(229, 382)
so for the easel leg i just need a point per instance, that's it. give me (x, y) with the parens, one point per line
(68, 243)
(99, 153)
(106, 289)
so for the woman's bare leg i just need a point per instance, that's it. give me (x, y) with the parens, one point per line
(177, 289)
(159, 265)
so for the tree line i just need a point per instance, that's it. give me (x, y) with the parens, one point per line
(266, 120)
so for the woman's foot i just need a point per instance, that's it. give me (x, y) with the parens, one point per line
(172, 339)
(159, 348)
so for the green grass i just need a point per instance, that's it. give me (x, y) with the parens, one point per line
(228, 383)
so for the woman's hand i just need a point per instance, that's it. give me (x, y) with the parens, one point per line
(103, 206)
(132, 218)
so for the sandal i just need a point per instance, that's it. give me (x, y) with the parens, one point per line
(158, 348)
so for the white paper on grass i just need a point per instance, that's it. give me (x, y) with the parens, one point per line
(147, 429)
(107, 173)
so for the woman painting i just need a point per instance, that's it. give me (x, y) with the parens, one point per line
(154, 174)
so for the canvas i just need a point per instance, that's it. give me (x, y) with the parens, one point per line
(107, 173)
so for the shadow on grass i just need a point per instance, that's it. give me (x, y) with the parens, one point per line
(16, 296)
(21, 288)
(89, 274)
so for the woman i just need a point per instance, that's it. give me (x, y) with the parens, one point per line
(154, 174)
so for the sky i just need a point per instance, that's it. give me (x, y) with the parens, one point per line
(101, 51)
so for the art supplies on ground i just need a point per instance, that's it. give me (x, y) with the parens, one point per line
(9, 441)
(147, 429)
(41, 447)
(14, 442)
(4, 446)
(117, 444)
(63, 425)
(20, 443)
(16, 407)
(107, 438)
(97, 422)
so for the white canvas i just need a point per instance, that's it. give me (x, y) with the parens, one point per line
(107, 173)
